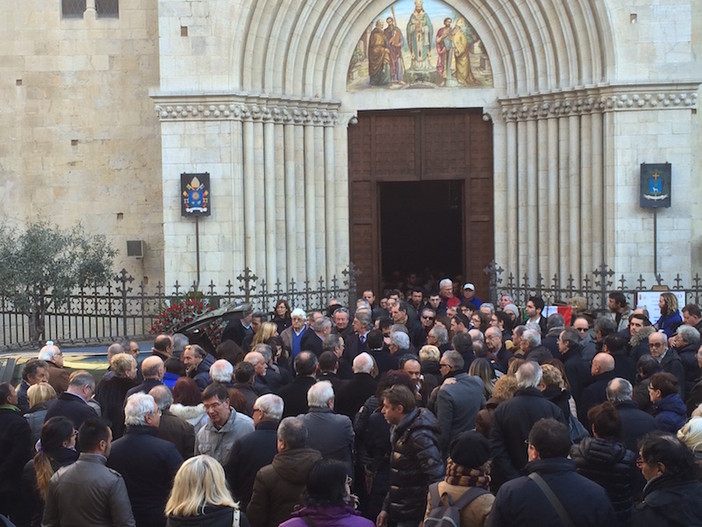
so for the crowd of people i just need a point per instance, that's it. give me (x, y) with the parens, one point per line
(397, 411)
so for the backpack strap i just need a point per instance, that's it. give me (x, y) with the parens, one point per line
(468, 496)
(434, 495)
(566, 520)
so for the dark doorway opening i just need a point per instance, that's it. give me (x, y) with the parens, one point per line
(421, 230)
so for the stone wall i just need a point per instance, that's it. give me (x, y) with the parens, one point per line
(82, 142)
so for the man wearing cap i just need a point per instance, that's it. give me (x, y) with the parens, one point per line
(469, 297)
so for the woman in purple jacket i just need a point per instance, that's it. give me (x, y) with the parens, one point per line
(328, 501)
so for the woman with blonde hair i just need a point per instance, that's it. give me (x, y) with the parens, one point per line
(266, 331)
(39, 396)
(691, 435)
(200, 496)
(58, 441)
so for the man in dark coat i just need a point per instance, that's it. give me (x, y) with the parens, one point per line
(513, 420)
(328, 366)
(294, 395)
(163, 347)
(335, 343)
(313, 340)
(153, 371)
(73, 403)
(381, 355)
(686, 341)
(15, 440)
(357, 342)
(521, 501)
(668, 358)
(577, 369)
(635, 422)
(244, 376)
(35, 371)
(415, 462)
(459, 399)
(595, 393)
(147, 464)
(171, 427)
(254, 451)
(330, 433)
(497, 353)
(197, 364)
(354, 393)
(278, 487)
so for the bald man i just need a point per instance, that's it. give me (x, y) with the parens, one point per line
(602, 371)
(153, 370)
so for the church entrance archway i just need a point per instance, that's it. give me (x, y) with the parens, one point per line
(421, 190)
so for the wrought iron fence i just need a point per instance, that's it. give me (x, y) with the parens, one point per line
(118, 310)
(594, 287)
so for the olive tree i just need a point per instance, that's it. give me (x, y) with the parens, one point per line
(41, 265)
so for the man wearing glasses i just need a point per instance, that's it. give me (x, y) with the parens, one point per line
(225, 426)
(667, 358)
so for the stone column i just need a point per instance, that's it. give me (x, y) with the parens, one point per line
(330, 191)
(291, 204)
(573, 233)
(310, 205)
(249, 197)
(268, 200)
(511, 231)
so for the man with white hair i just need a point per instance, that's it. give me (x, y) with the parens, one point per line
(254, 451)
(330, 433)
(171, 427)
(362, 385)
(292, 336)
(635, 422)
(58, 375)
(147, 464)
(399, 344)
(531, 347)
(260, 367)
(447, 297)
(513, 420)
(222, 371)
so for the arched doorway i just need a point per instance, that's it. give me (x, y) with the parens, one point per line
(421, 195)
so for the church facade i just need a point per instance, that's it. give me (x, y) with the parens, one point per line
(276, 101)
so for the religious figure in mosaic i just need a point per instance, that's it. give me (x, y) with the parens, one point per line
(461, 52)
(395, 41)
(388, 57)
(444, 52)
(419, 36)
(378, 57)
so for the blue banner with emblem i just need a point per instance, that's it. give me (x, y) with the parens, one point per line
(195, 194)
(655, 185)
